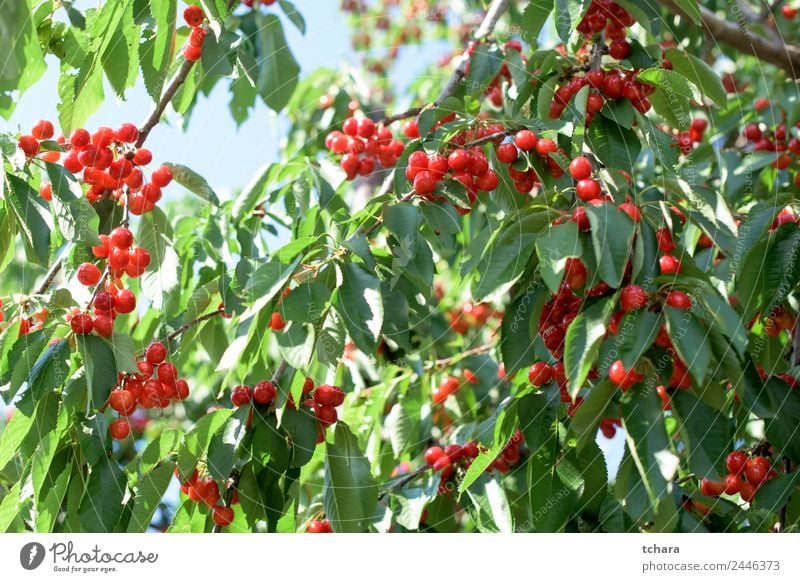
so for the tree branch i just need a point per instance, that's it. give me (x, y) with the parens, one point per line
(166, 97)
(493, 14)
(786, 56)
(191, 324)
(402, 482)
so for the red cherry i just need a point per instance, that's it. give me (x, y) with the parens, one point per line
(122, 401)
(142, 157)
(736, 462)
(789, 12)
(193, 15)
(458, 160)
(124, 301)
(29, 145)
(711, 488)
(424, 183)
(631, 210)
(241, 395)
(411, 129)
(156, 353)
(733, 484)
(79, 138)
(679, 300)
(276, 322)
(433, 454)
(752, 132)
(622, 377)
(619, 49)
(633, 297)
(222, 516)
(664, 238)
(748, 491)
(316, 526)
(121, 237)
(507, 153)
(756, 470)
(82, 324)
(43, 130)
(525, 140)
(326, 415)
(119, 429)
(328, 395)
(545, 147)
(580, 168)
(669, 264)
(88, 274)
(162, 176)
(127, 133)
(588, 189)
(264, 392)
(540, 374)
(167, 373)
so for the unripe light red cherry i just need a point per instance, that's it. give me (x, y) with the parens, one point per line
(119, 429)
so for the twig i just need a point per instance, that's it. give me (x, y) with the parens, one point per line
(445, 362)
(191, 324)
(781, 524)
(490, 138)
(496, 10)
(786, 56)
(400, 483)
(166, 97)
(413, 112)
(49, 277)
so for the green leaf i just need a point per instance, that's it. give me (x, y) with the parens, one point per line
(612, 239)
(689, 337)
(775, 493)
(554, 248)
(700, 73)
(101, 368)
(163, 274)
(361, 306)
(32, 218)
(253, 193)
(614, 145)
(637, 332)
(484, 64)
(587, 417)
(534, 17)
(302, 428)
(101, 507)
(554, 488)
(197, 439)
(120, 59)
(225, 442)
(691, 9)
(583, 340)
(294, 15)
(706, 433)
(156, 51)
(536, 413)
(648, 443)
(23, 62)
(518, 327)
(193, 182)
(349, 494)
(669, 81)
(50, 371)
(567, 16)
(279, 71)
(147, 496)
(490, 506)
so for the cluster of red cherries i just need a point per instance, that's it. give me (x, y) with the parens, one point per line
(470, 316)
(194, 17)
(526, 143)
(685, 140)
(323, 399)
(447, 459)
(319, 526)
(362, 143)
(745, 475)
(155, 385)
(776, 139)
(122, 258)
(205, 490)
(107, 160)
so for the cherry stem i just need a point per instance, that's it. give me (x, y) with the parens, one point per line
(190, 324)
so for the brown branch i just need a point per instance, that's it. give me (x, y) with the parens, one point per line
(786, 56)
(191, 324)
(400, 483)
(55, 269)
(413, 112)
(493, 14)
(444, 362)
(166, 97)
(490, 138)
